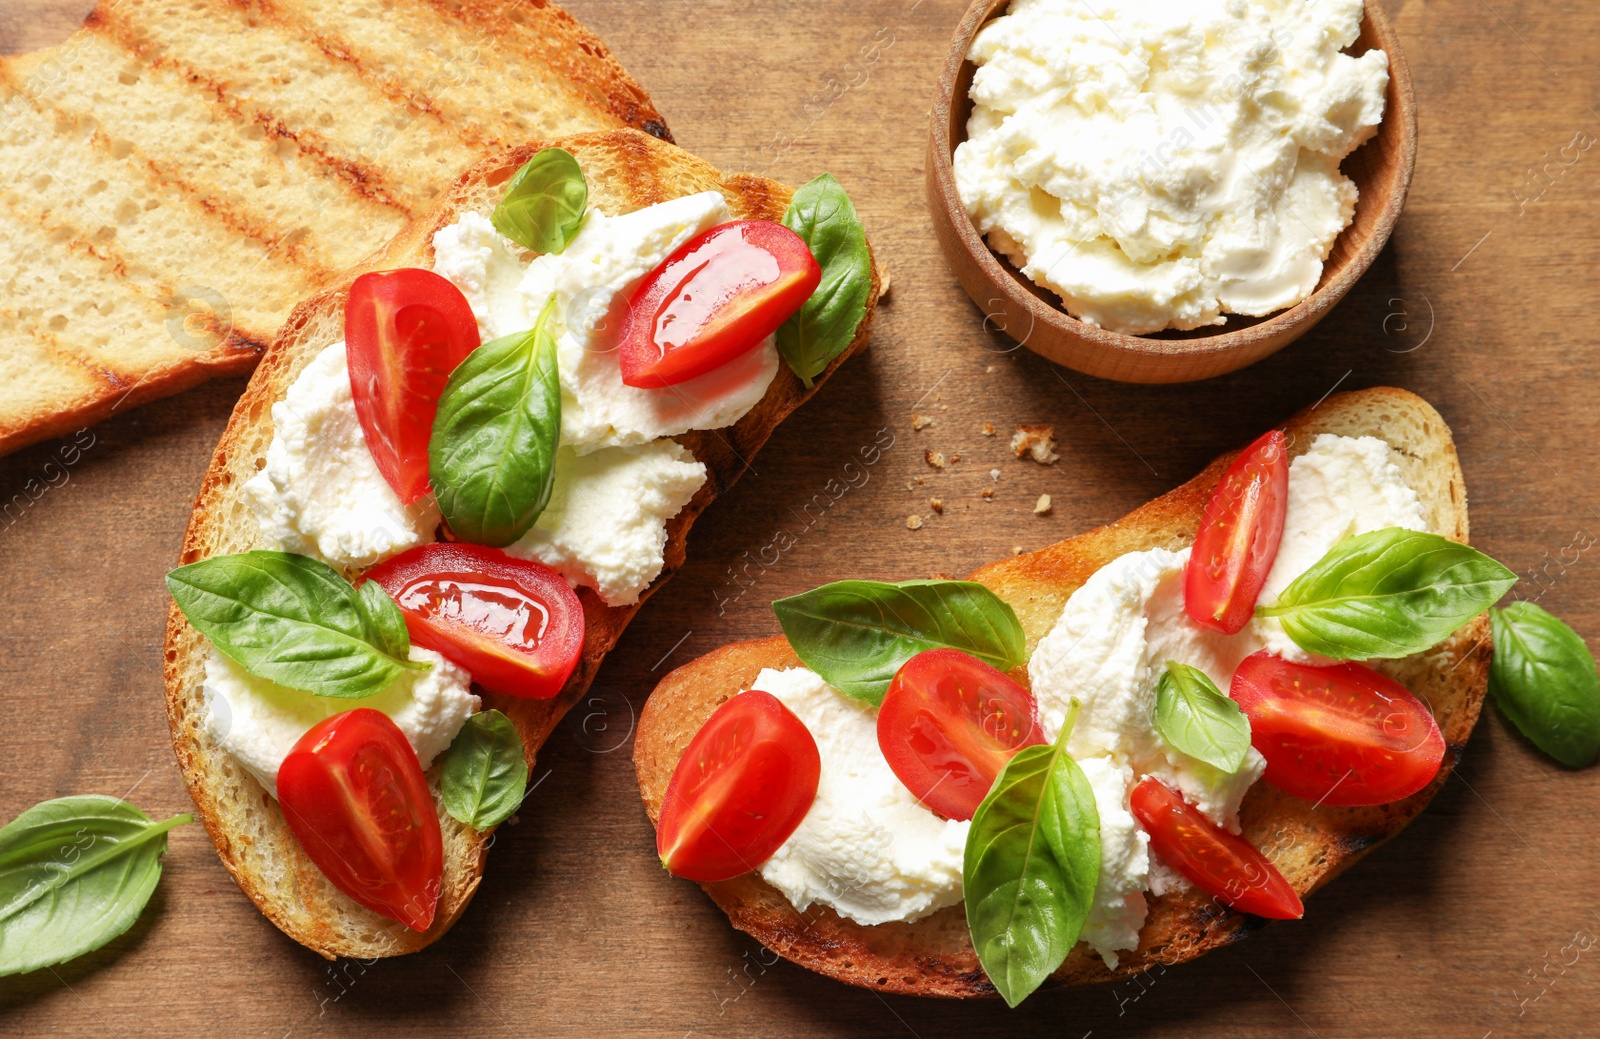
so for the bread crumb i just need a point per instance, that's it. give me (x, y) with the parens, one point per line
(920, 422)
(920, 481)
(1016, 550)
(988, 429)
(954, 459)
(913, 522)
(1037, 442)
(994, 474)
(989, 370)
(1041, 506)
(934, 458)
(988, 493)
(937, 505)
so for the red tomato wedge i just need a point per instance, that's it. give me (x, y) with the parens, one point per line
(745, 782)
(405, 331)
(716, 298)
(948, 725)
(516, 625)
(1217, 862)
(1238, 538)
(354, 795)
(1341, 735)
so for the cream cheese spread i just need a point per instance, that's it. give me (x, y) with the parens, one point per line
(590, 278)
(1118, 630)
(320, 493)
(259, 722)
(606, 524)
(1339, 488)
(867, 848)
(1159, 165)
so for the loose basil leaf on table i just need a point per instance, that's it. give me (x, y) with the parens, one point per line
(857, 634)
(295, 621)
(492, 455)
(485, 772)
(1030, 867)
(75, 873)
(544, 204)
(823, 215)
(1543, 677)
(1199, 719)
(1389, 593)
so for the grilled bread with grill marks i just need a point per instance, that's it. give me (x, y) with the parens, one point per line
(626, 170)
(1309, 844)
(177, 175)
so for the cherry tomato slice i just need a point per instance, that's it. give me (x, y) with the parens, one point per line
(355, 798)
(405, 331)
(1217, 862)
(516, 625)
(745, 782)
(948, 725)
(1238, 538)
(715, 298)
(1341, 735)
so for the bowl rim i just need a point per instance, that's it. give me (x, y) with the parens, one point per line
(1252, 339)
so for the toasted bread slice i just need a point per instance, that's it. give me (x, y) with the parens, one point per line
(626, 170)
(934, 956)
(176, 177)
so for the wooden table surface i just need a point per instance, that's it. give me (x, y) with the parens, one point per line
(1467, 925)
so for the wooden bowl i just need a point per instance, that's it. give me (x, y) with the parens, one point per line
(1033, 316)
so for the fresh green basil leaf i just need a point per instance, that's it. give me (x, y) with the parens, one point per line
(823, 215)
(75, 873)
(544, 204)
(1031, 865)
(857, 634)
(1390, 593)
(485, 772)
(1543, 677)
(385, 618)
(293, 620)
(1196, 717)
(492, 456)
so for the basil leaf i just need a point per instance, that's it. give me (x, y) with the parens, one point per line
(857, 634)
(386, 620)
(75, 873)
(484, 772)
(823, 215)
(544, 204)
(1390, 593)
(492, 456)
(293, 620)
(1543, 677)
(1196, 717)
(1031, 865)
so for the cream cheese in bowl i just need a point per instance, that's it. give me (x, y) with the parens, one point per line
(1159, 165)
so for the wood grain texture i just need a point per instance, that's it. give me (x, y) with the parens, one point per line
(1482, 303)
(1381, 169)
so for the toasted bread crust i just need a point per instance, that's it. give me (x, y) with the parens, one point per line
(1310, 844)
(253, 177)
(627, 170)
